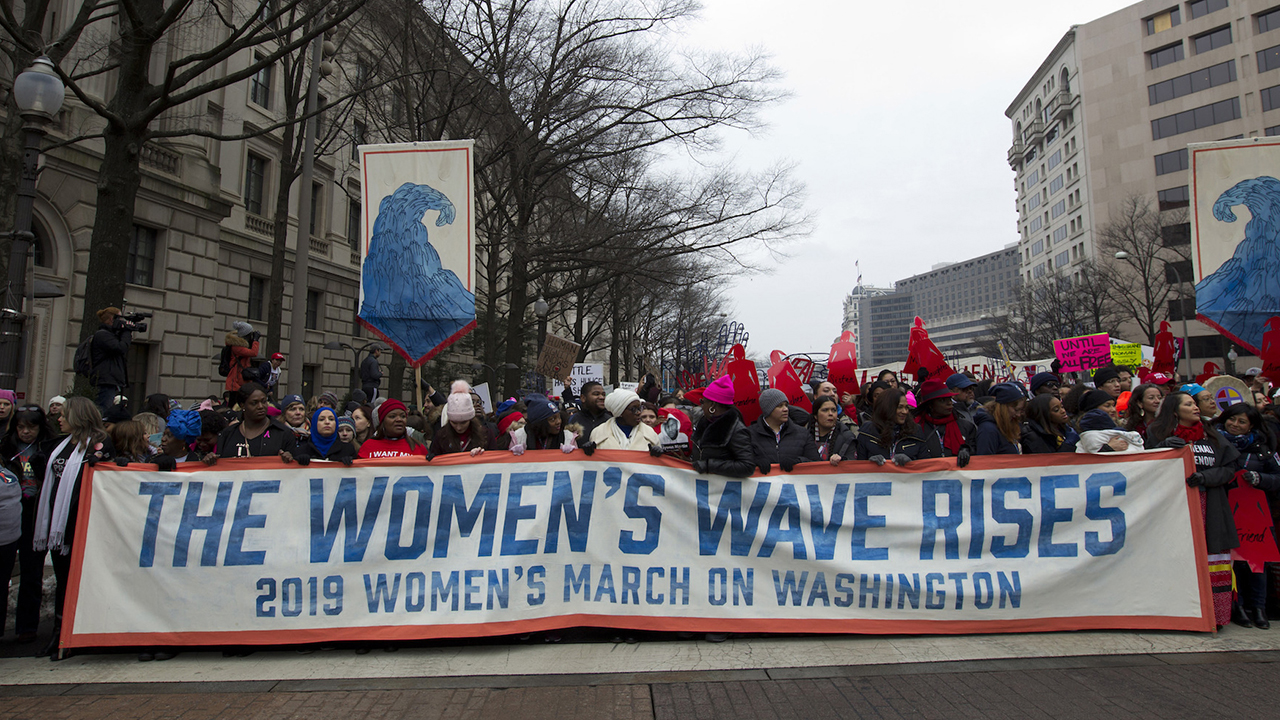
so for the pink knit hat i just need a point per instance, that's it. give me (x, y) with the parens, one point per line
(720, 391)
(459, 407)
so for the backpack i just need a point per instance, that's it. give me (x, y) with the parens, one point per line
(82, 361)
(224, 361)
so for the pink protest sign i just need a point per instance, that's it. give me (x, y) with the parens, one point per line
(1086, 352)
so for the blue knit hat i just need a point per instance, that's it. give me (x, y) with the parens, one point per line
(184, 425)
(1007, 393)
(539, 408)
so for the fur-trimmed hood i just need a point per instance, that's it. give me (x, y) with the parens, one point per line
(235, 340)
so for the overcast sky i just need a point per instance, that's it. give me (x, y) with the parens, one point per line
(896, 123)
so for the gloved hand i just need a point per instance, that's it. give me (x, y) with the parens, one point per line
(122, 461)
(1173, 441)
(900, 459)
(1196, 479)
(788, 465)
(571, 445)
(587, 448)
(962, 457)
(1252, 477)
(763, 467)
(877, 459)
(655, 451)
(302, 460)
(90, 459)
(517, 449)
(700, 466)
(166, 463)
(346, 460)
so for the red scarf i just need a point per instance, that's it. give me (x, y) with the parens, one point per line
(1190, 434)
(952, 438)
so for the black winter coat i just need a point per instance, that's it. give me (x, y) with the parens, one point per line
(1037, 440)
(370, 371)
(339, 451)
(792, 445)
(933, 435)
(989, 440)
(1217, 466)
(913, 446)
(724, 445)
(842, 442)
(107, 353)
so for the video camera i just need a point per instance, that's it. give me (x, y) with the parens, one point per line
(133, 321)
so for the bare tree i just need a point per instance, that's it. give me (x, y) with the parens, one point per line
(1140, 285)
(158, 57)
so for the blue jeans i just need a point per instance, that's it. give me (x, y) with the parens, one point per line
(106, 395)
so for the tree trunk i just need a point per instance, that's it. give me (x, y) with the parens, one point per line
(279, 241)
(395, 376)
(118, 180)
(515, 324)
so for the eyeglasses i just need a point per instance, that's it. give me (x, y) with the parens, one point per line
(26, 408)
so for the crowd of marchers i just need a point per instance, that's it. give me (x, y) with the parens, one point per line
(47, 448)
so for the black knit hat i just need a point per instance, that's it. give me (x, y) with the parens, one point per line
(1094, 399)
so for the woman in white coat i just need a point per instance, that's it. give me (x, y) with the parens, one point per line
(623, 431)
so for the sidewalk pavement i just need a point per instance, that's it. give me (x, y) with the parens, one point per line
(1060, 675)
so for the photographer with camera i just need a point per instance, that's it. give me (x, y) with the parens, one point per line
(107, 352)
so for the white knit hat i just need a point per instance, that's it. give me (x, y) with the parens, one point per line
(459, 408)
(619, 400)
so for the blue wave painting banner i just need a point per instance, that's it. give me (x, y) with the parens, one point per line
(417, 248)
(1235, 228)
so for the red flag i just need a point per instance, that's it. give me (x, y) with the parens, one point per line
(783, 377)
(842, 366)
(1253, 525)
(1165, 353)
(1271, 350)
(924, 360)
(746, 384)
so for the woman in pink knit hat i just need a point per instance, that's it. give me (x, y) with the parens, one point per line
(721, 445)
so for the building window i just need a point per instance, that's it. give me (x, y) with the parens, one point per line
(1173, 271)
(1194, 82)
(1200, 8)
(1170, 162)
(317, 192)
(1038, 271)
(1271, 98)
(255, 182)
(358, 134)
(353, 224)
(260, 84)
(1163, 21)
(1174, 198)
(1055, 185)
(1060, 234)
(1036, 223)
(1033, 178)
(1062, 259)
(1037, 248)
(1212, 40)
(315, 301)
(310, 378)
(1269, 20)
(1058, 209)
(140, 269)
(257, 297)
(1201, 117)
(1035, 202)
(1272, 131)
(1175, 235)
(1166, 55)
(1206, 346)
(1055, 159)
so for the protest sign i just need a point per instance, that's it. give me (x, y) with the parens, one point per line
(1085, 352)
(417, 286)
(579, 374)
(629, 386)
(485, 396)
(557, 356)
(1235, 269)
(782, 376)
(842, 365)
(255, 552)
(1128, 354)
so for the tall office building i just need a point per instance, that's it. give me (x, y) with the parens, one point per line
(854, 310)
(1108, 116)
(956, 300)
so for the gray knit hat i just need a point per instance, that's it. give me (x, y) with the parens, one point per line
(242, 328)
(770, 399)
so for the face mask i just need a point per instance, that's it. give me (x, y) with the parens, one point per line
(154, 438)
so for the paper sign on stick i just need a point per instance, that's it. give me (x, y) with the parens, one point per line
(842, 365)
(1129, 354)
(556, 359)
(1086, 352)
(783, 377)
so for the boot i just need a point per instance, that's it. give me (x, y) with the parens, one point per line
(1260, 620)
(50, 650)
(1241, 617)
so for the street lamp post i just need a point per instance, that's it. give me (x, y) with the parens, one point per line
(1182, 307)
(38, 93)
(355, 357)
(541, 309)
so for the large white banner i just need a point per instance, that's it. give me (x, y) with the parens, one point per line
(254, 551)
